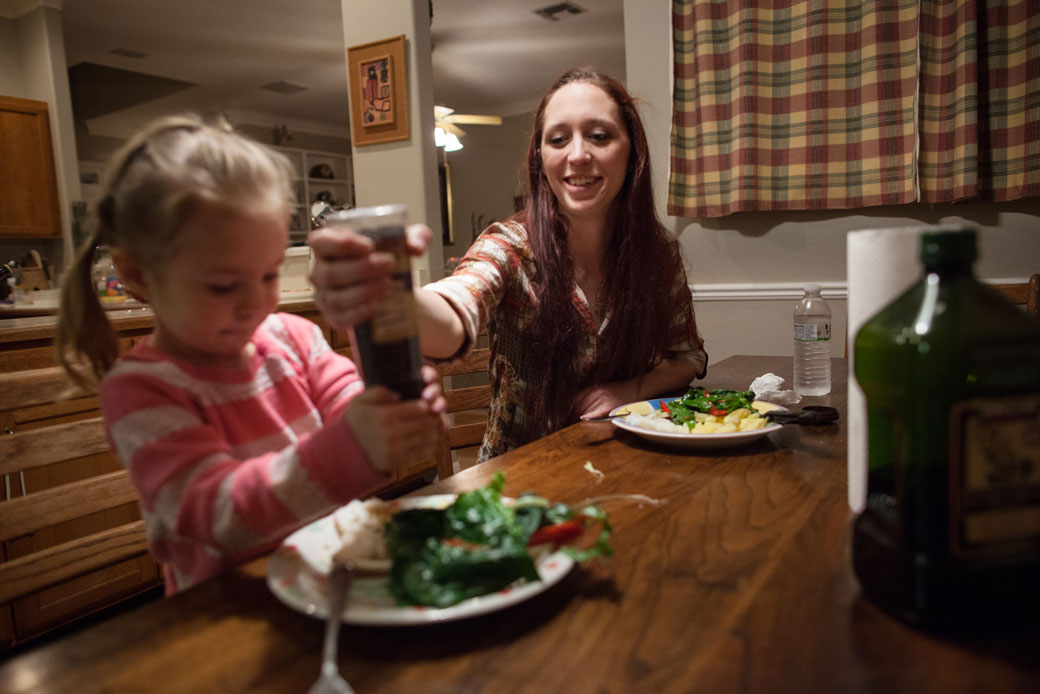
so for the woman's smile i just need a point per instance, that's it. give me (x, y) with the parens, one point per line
(584, 151)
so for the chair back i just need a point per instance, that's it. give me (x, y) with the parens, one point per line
(35, 510)
(67, 508)
(1026, 294)
(467, 406)
(42, 397)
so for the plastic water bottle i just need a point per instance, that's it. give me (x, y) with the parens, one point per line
(812, 343)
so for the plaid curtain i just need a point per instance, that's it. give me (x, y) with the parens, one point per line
(817, 104)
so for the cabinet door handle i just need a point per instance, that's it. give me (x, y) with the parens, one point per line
(8, 430)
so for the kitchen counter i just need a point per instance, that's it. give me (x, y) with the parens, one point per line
(26, 342)
(24, 323)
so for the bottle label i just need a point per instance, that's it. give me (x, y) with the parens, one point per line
(995, 476)
(809, 332)
(395, 317)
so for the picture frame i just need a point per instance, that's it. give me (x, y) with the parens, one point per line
(378, 78)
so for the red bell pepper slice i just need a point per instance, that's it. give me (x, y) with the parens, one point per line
(558, 534)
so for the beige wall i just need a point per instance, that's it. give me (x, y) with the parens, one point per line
(400, 172)
(746, 268)
(11, 81)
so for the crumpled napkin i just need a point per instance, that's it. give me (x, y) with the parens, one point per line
(767, 387)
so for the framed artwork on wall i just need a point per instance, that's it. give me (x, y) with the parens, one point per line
(378, 91)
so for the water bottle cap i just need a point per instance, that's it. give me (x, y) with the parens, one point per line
(810, 288)
(948, 243)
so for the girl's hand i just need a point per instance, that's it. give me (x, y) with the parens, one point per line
(349, 277)
(598, 401)
(394, 432)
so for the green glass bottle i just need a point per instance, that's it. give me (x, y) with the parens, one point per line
(950, 536)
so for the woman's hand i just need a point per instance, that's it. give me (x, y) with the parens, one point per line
(395, 432)
(669, 375)
(598, 401)
(349, 277)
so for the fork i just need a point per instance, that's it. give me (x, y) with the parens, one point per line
(330, 681)
(606, 418)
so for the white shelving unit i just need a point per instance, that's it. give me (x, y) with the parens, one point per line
(313, 169)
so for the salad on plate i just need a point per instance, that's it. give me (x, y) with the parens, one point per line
(703, 411)
(441, 557)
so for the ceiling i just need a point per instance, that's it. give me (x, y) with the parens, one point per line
(489, 56)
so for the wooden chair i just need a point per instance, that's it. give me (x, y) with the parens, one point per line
(1026, 294)
(36, 510)
(467, 405)
(72, 538)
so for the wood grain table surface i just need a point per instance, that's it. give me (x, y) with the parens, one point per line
(741, 582)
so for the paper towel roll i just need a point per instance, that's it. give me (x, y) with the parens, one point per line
(881, 264)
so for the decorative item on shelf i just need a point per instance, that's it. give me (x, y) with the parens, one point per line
(322, 171)
(323, 196)
(321, 210)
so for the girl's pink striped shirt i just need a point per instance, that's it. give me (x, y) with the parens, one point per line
(228, 461)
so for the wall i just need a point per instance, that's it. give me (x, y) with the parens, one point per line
(746, 268)
(11, 82)
(405, 171)
(299, 139)
(485, 176)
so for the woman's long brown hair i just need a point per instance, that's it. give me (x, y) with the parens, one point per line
(640, 263)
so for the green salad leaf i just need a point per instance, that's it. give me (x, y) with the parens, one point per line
(478, 544)
(715, 402)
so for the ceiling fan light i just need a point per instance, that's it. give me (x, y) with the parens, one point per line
(452, 143)
(438, 137)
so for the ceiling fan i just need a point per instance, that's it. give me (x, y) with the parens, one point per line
(446, 121)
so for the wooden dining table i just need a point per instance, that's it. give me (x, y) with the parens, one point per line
(740, 580)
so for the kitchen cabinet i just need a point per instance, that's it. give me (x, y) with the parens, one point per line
(325, 176)
(28, 183)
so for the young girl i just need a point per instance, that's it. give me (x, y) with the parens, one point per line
(237, 424)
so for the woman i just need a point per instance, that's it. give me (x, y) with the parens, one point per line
(582, 293)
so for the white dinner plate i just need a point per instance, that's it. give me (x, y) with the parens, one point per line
(682, 440)
(297, 574)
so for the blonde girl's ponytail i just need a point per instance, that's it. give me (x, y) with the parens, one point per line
(86, 345)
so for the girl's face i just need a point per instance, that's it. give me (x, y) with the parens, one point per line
(584, 150)
(219, 284)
